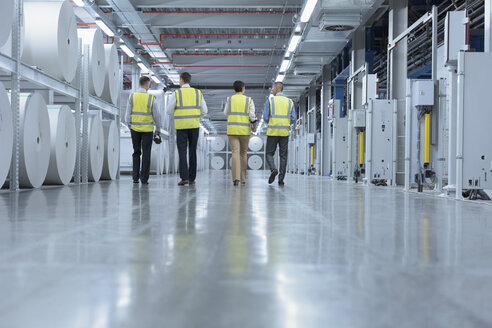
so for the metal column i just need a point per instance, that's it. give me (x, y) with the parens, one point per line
(397, 66)
(15, 96)
(488, 20)
(85, 115)
(325, 124)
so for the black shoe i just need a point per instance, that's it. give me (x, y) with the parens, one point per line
(135, 181)
(145, 183)
(272, 176)
(281, 182)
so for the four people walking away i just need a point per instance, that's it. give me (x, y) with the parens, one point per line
(280, 114)
(140, 118)
(187, 105)
(240, 111)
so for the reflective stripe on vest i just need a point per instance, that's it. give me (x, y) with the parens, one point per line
(141, 117)
(280, 112)
(188, 108)
(238, 117)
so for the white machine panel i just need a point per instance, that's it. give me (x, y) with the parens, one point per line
(454, 35)
(475, 108)
(382, 140)
(423, 93)
(340, 142)
(359, 118)
(369, 88)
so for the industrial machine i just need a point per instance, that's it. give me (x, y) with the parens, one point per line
(421, 131)
(339, 139)
(380, 145)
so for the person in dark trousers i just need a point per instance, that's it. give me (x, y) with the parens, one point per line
(141, 116)
(280, 114)
(188, 106)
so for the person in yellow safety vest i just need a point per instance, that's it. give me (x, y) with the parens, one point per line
(187, 105)
(280, 113)
(240, 112)
(141, 116)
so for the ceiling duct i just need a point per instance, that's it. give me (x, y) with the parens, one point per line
(305, 70)
(339, 22)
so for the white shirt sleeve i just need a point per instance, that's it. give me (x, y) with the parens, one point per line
(252, 112)
(226, 108)
(128, 113)
(204, 106)
(171, 105)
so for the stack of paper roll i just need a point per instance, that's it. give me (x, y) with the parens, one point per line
(35, 140)
(6, 21)
(111, 151)
(6, 135)
(93, 38)
(51, 41)
(96, 147)
(63, 147)
(111, 83)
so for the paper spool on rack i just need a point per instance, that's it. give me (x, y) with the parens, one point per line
(6, 135)
(217, 163)
(112, 81)
(156, 165)
(255, 143)
(51, 41)
(111, 151)
(34, 141)
(218, 144)
(93, 37)
(63, 147)
(96, 147)
(255, 162)
(6, 20)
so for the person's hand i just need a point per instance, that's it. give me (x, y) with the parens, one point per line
(254, 127)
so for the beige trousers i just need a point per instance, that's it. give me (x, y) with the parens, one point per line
(239, 148)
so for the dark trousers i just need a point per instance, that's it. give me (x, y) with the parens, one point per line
(142, 145)
(187, 140)
(271, 147)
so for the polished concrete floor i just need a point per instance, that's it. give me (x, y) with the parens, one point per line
(315, 253)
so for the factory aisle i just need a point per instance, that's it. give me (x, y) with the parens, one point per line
(316, 253)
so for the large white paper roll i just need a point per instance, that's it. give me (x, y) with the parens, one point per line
(255, 162)
(6, 135)
(111, 151)
(93, 37)
(6, 48)
(63, 145)
(255, 143)
(111, 83)
(6, 20)
(217, 163)
(35, 142)
(51, 41)
(218, 144)
(96, 147)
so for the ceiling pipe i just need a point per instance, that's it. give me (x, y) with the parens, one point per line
(219, 12)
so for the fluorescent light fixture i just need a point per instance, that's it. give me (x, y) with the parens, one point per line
(280, 78)
(127, 50)
(156, 79)
(285, 65)
(79, 3)
(298, 28)
(143, 67)
(294, 42)
(104, 27)
(307, 11)
(287, 54)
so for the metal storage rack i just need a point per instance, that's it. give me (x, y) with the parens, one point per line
(79, 92)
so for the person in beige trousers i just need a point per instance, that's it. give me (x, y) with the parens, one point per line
(240, 112)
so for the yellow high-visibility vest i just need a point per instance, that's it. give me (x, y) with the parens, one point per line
(141, 117)
(280, 112)
(188, 108)
(238, 118)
